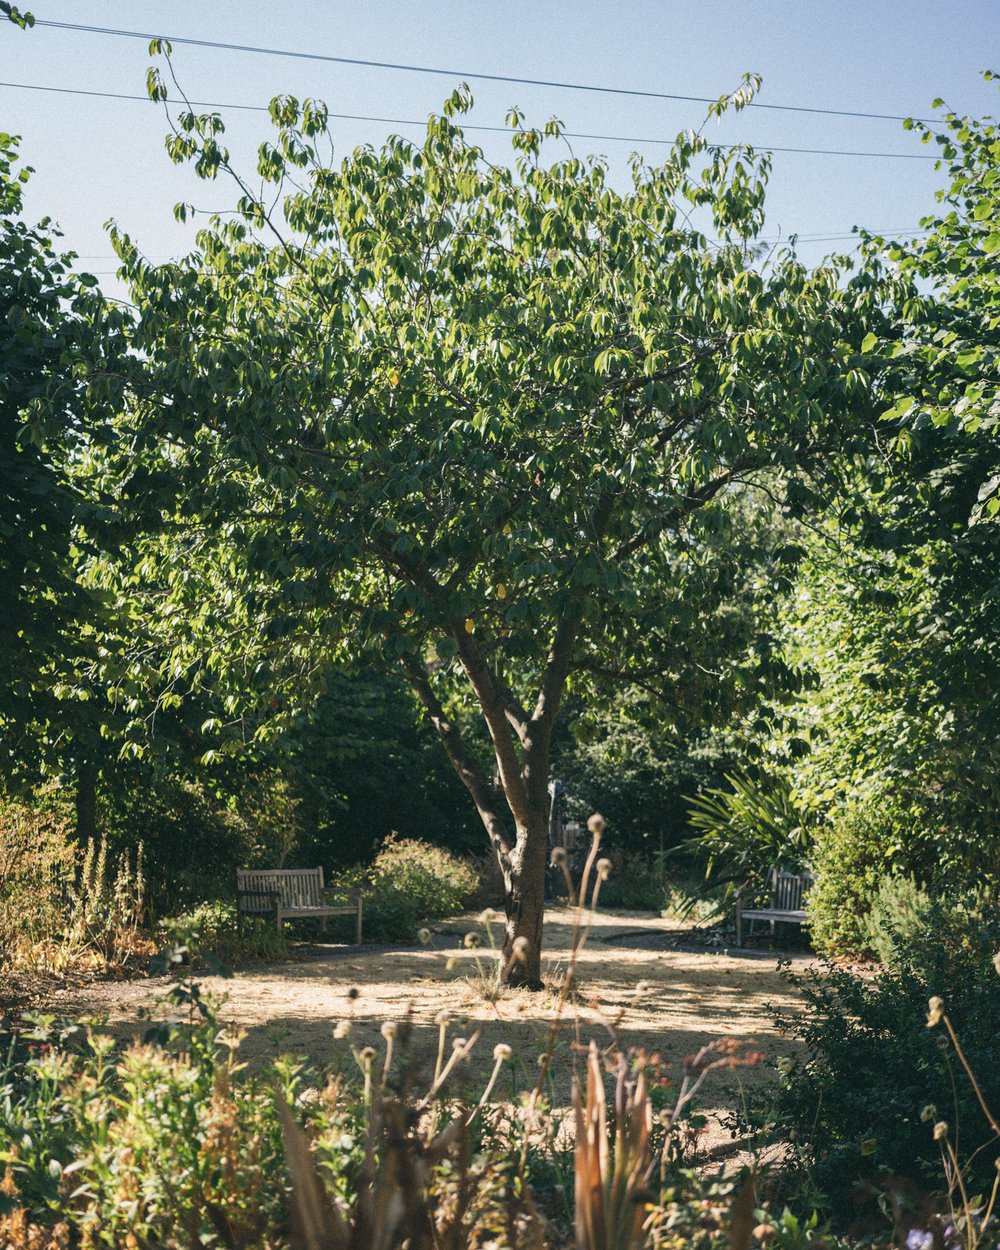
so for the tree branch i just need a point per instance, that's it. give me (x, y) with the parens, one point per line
(451, 738)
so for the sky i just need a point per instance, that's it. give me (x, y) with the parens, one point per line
(97, 159)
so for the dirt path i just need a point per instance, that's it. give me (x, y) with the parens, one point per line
(666, 1001)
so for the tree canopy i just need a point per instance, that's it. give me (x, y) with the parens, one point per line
(475, 419)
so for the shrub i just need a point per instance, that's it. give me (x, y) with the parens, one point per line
(439, 881)
(37, 864)
(107, 904)
(850, 859)
(408, 883)
(636, 883)
(754, 825)
(855, 1105)
(216, 930)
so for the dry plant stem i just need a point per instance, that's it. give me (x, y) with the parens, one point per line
(969, 1073)
(567, 979)
(457, 1056)
(954, 1171)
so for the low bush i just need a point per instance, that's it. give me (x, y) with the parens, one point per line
(409, 882)
(37, 866)
(850, 858)
(636, 883)
(440, 882)
(170, 1143)
(215, 930)
(860, 1104)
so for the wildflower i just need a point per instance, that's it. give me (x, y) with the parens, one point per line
(342, 1029)
(472, 941)
(558, 856)
(503, 1053)
(389, 1029)
(919, 1239)
(935, 1010)
(424, 935)
(940, 1130)
(596, 823)
(604, 869)
(785, 1065)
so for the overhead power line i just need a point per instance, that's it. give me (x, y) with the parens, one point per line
(455, 73)
(409, 121)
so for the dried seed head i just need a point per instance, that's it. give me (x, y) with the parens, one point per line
(424, 935)
(342, 1029)
(389, 1029)
(940, 1130)
(996, 961)
(935, 1010)
(472, 941)
(503, 1053)
(764, 1233)
(929, 1113)
(451, 963)
(367, 1055)
(353, 993)
(596, 823)
(604, 869)
(558, 856)
(520, 949)
(459, 1043)
(489, 916)
(442, 1016)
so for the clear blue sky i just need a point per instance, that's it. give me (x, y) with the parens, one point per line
(97, 158)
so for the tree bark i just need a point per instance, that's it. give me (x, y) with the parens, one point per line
(524, 902)
(86, 801)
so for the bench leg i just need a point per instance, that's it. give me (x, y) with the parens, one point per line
(772, 932)
(357, 927)
(739, 925)
(322, 924)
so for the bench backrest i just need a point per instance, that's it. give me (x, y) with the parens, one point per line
(789, 889)
(297, 887)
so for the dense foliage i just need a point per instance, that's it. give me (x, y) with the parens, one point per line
(862, 1102)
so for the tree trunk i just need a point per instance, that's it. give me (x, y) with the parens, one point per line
(86, 801)
(524, 881)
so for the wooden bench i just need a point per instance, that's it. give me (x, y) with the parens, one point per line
(788, 894)
(290, 894)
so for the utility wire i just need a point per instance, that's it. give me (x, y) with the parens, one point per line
(406, 121)
(462, 74)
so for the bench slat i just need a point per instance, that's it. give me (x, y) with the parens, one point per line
(788, 892)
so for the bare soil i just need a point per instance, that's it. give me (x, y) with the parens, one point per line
(629, 989)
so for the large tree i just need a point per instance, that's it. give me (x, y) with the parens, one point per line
(479, 421)
(59, 343)
(942, 356)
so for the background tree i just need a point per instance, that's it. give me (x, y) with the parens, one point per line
(475, 422)
(943, 355)
(59, 340)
